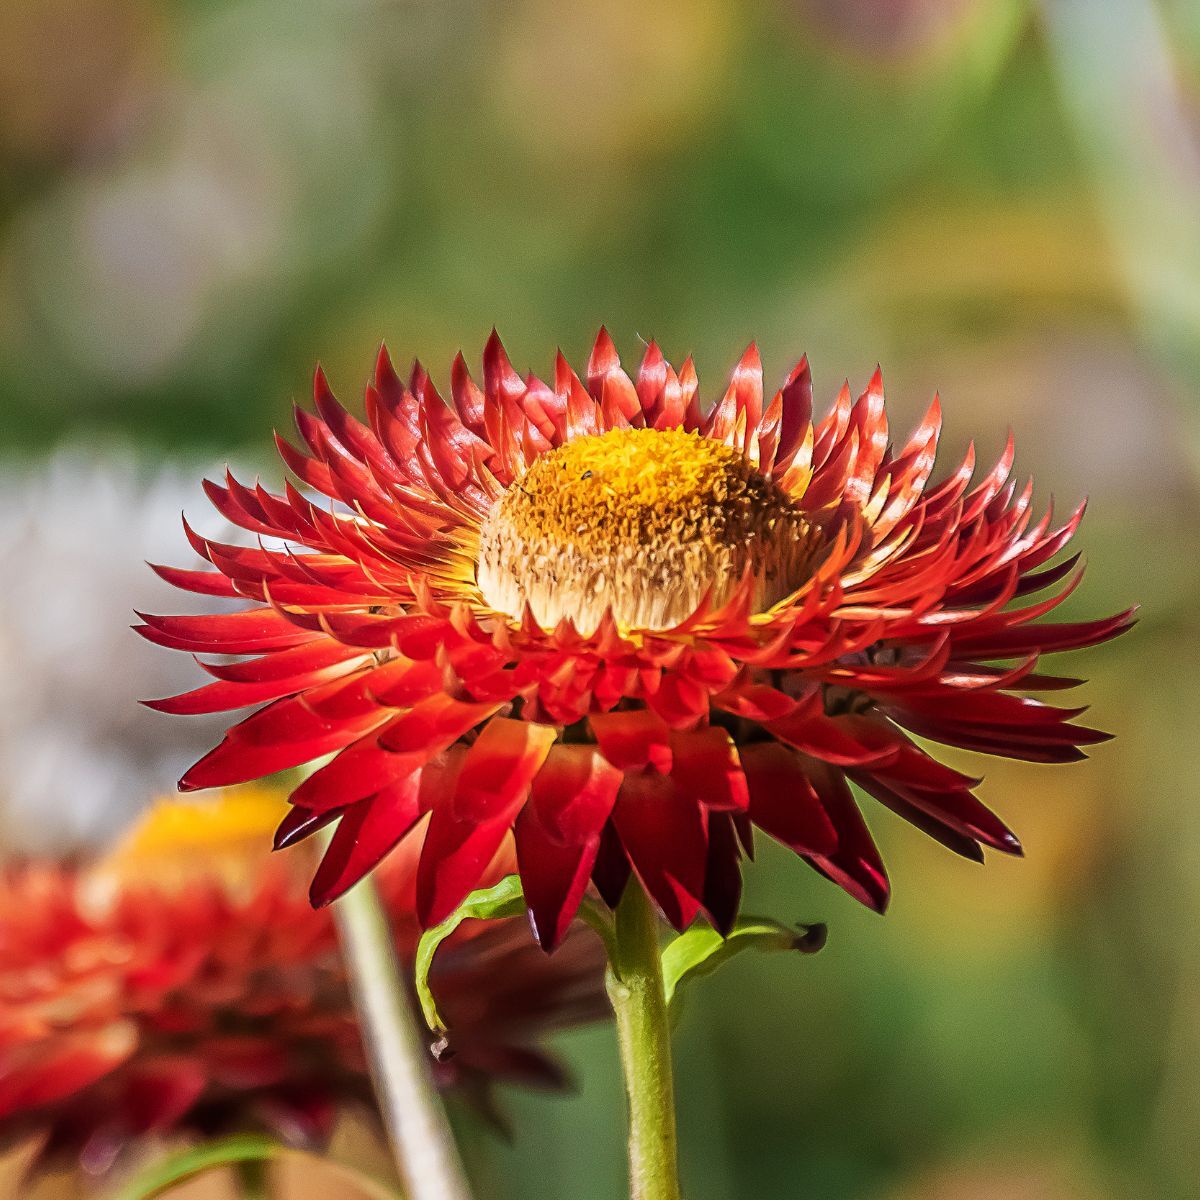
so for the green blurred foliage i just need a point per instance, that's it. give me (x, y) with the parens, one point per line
(199, 198)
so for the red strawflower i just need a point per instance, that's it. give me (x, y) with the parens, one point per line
(187, 985)
(626, 631)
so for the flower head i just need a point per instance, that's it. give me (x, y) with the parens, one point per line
(627, 632)
(184, 983)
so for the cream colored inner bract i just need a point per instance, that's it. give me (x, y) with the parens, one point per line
(643, 521)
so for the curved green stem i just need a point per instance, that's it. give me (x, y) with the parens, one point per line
(635, 987)
(416, 1123)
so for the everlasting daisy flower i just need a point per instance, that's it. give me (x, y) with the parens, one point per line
(591, 615)
(185, 984)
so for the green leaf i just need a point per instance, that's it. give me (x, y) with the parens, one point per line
(504, 900)
(701, 949)
(166, 1173)
(162, 1176)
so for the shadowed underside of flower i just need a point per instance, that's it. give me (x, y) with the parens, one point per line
(586, 613)
(186, 984)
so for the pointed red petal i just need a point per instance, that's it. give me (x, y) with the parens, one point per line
(500, 766)
(633, 739)
(706, 766)
(723, 874)
(855, 866)
(783, 801)
(665, 835)
(554, 875)
(465, 833)
(366, 833)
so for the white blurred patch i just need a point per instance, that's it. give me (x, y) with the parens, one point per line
(79, 757)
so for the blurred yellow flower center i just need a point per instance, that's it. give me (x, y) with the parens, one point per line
(224, 838)
(643, 521)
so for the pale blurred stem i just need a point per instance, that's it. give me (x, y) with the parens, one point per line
(253, 1178)
(635, 987)
(422, 1144)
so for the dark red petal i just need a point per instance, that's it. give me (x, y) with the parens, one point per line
(744, 827)
(554, 875)
(665, 835)
(301, 823)
(1042, 638)
(633, 739)
(997, 708)
(300, 1116)
(367, 831)
(952, 839)
(909, 764)
(783, 801)
(706, 765)
(610, 873)
(961, 811)
(574, 792)
(832, 740)
(1051, 746)
(796, 417)
(723, 874)
(855, 865)
(500, 766)
(158, 1092)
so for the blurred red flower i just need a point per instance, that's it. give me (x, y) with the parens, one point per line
(185, 984)
(627, 632)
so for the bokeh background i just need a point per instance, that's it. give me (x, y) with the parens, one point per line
(994, 198)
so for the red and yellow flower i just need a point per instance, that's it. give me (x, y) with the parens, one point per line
(185, 984)
(587, 614)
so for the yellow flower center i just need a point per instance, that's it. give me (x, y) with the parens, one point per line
(223, 839)
(643, 521)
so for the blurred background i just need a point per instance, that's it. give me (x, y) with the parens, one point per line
(998, 199)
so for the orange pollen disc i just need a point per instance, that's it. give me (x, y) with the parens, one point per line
(644, 521)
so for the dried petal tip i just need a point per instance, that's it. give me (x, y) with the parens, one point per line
(812, 938)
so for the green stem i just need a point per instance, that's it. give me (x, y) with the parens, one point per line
(416, 1123)
(635, 987)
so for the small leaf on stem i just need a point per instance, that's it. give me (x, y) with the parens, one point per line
(701, 949)
(505, 899)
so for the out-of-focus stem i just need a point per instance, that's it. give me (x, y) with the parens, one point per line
(424, 1149)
